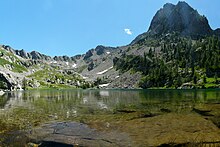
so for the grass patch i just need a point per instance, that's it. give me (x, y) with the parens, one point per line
(15, 67)
(210, 85)
(19, 68)
(3, 61)
(52, 78)
(211, 80)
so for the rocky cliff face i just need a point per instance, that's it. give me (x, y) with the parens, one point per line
(34, 55)
(21, 70)
(180, 18)
(9, 82)
(22, 53)
(33, 67)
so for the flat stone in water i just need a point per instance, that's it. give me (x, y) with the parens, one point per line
(72, 133)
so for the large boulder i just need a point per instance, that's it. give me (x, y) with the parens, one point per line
(8, 82)
(88, 54)
(77, 134)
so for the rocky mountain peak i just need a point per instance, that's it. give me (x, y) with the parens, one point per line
(168, 5)
(181, 18)
(183, 4)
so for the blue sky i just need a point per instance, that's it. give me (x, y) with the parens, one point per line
(70, 27)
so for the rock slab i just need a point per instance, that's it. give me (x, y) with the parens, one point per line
(76, 134)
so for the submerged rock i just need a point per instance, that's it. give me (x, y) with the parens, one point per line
(125, 111)
(172, 130)
(202, 112)
(210, 112)
(76, 134)
(165, 110)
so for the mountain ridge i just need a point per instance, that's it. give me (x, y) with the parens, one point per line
(171, 33)
(154, 29)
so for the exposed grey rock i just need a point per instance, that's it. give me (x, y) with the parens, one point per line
(91, 66)
(72, 133)
(187, 86)
(22, 54)
(100, 49)
(126, 80)
(8, 48)
(76, 57)
(6, 81)
(180, 18)
(38, 56)
(32, 55)
(88, 55)
(2, 92)
(64, 58)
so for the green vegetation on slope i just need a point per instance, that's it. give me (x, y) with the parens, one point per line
(15, 67)
(53, 78)
(15, 63)
(179, 61)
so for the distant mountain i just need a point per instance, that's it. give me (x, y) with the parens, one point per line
(22, 70)
(181, 19)
(34, 55)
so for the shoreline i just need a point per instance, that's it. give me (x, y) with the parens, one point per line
(2, 92)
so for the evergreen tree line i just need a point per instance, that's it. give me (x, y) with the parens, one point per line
(180, 60)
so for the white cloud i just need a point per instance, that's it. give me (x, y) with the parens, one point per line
(128, 31)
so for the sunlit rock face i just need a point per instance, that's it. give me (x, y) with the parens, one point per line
(179, 18)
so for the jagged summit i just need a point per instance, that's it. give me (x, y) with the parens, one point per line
(183, 4)
(180, 18)
(168, 5)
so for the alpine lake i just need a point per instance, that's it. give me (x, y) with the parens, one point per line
(110, 118)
